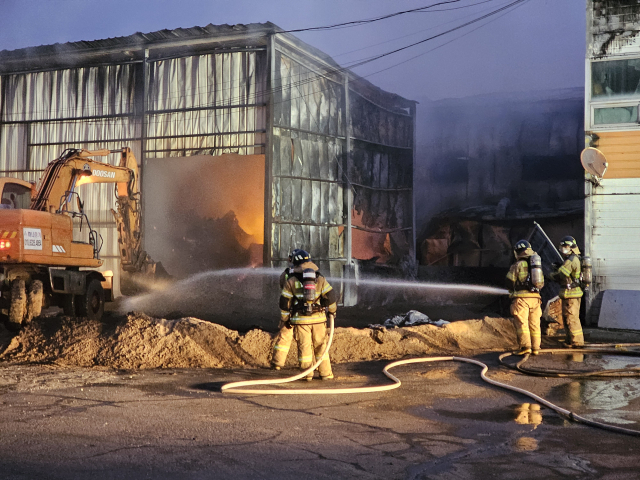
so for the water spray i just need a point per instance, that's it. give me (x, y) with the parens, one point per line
(134, 303)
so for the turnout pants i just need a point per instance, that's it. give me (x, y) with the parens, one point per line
(312, 340)
(282, 345)
(526, 313)
(571, 318)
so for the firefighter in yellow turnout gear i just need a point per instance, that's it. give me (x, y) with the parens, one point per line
(305, 301)
(568, 276)
(525, 299)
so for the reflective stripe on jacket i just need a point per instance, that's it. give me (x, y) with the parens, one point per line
(568, 276)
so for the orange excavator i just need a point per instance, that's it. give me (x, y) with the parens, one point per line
(40, 262)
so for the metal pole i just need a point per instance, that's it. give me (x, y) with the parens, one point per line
(413, 181)
(143, 136)
(347, 165)
(268, 153)
(349, 288)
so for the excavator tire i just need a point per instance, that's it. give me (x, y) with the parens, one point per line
(18, 307)
(91, 305)
(34, 301)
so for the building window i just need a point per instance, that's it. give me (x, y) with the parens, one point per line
(616, 78)
(615, 115)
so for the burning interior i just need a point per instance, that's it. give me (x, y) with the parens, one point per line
(205, 212)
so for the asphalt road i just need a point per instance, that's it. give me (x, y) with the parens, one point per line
(443, 423)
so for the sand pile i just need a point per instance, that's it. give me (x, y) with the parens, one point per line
(137, 341)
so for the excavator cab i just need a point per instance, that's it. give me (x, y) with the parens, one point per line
(16, 194)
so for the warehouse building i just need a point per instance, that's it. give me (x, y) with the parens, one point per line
(250, 143)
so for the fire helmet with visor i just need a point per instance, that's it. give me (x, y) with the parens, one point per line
(567, 244)
(299, 256)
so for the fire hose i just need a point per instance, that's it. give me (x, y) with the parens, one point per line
(235, 387)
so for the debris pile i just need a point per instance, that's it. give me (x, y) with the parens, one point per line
(137, 341)
(410, 319)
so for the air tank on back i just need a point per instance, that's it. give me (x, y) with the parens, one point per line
(587, 276)
(537, 276)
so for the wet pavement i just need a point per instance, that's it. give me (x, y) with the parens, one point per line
(443, 423)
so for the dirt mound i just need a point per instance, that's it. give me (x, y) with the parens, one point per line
(137, 341)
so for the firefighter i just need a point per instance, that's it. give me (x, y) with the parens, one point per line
(285, 329)
(525, 300)
(306, 301)
(568, 276)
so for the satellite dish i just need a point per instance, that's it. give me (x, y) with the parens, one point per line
(594, 161)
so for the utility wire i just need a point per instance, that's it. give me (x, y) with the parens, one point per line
(415, 33)
(355, 23)
(382, 55)
(446, 43)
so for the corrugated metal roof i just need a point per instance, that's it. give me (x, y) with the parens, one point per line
(138, 39)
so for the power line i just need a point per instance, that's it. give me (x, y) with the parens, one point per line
(419, 31)
(356, 23)
(371, 59)
(446, 43)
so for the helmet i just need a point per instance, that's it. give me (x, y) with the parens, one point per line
(567, 244)
(299, 256)
(569, 241)
(521, 245)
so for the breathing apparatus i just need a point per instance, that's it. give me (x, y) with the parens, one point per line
(309, 289)
(586, 277)
(535, 271)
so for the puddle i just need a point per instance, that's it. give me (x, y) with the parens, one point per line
(610, 400)
(580, 362)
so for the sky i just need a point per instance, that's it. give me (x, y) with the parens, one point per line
(538, 45)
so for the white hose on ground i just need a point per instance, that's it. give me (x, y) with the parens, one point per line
(235, 386)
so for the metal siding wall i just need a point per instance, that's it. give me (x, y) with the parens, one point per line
(615, 230)
(215, 105)
(307, 188)
(382, 173)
